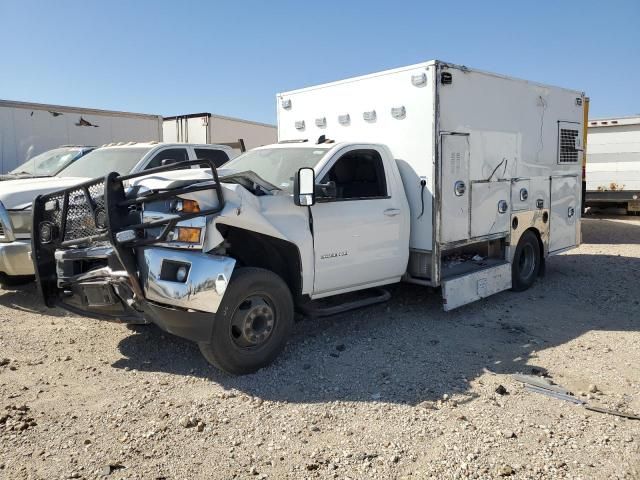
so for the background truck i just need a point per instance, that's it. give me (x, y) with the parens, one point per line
(613, 163)
(16, 196)
(208, 128)
(434, 174)
(28, 129)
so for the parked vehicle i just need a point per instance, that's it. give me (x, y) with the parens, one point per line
(613, 163)
(208, 128)
(434, 174)
(28, 129)
(48, 163)
(16, 196)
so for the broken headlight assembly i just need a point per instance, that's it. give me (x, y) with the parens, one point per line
(186, 234)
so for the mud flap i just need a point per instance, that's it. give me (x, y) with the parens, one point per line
(467, 288)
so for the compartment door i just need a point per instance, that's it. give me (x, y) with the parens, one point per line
(454, 187)
(490, 212)
(564, 212)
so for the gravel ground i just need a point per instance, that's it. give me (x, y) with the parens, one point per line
(401, 390)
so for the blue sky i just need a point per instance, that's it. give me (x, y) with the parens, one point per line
(230, 58)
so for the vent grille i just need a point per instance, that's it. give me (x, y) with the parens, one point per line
(568, 152)
(79, 221)
(1, 230)
(455, 163)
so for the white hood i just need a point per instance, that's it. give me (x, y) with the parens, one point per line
(18, 194)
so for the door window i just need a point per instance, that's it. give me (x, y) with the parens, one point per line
(219, 157)
(176, 154)
(358, 174)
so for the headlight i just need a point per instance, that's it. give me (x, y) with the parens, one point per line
(21, 221)
(186, 234)
(185, 206)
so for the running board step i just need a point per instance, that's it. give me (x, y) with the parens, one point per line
(376, 295)
(467, 288)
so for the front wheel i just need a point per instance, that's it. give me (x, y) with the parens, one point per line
(252, 324)
(526, 262)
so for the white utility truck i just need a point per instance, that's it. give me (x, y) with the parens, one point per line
(613, 163)
(208, 128)
(434, 174)
(28, 129)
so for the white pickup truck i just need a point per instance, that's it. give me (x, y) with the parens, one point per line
(16, 196)
(433, 174)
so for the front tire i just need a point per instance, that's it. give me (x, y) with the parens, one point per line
(252, 324)
(526, 262)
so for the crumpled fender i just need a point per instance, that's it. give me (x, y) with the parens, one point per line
(272, 215)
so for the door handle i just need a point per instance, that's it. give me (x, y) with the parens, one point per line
(392, 212)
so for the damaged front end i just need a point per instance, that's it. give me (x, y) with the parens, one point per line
(115, 250)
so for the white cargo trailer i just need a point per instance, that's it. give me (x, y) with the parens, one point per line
(613, 163)
(208, 128)
(483, 158)
(28, 129)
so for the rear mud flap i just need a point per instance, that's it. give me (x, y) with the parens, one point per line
(464, 289)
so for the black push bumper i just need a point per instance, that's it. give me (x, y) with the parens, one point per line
(83, 265)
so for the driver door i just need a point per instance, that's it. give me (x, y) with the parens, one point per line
(358, 236)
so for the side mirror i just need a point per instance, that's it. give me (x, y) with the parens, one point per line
(168, 161)
(304, 188)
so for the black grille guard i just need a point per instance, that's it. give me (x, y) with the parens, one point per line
(97, 210)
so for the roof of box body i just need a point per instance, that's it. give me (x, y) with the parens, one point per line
(614, 121)
(424, 65)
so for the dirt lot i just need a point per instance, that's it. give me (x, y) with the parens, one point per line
(401, 390)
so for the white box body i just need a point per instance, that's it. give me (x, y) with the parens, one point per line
(447, 124)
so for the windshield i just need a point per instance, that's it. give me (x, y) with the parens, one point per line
(277, 166)
(102, 161)
(48, 163)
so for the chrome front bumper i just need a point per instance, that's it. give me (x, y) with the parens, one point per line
(15, 258)
(92, 282)
(202, 290)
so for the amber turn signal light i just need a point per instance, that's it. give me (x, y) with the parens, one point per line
(188, 234)
(189, 206)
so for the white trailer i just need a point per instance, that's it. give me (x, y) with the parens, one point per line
(434, 174)
(613, 163)
(28, 129)
(207, 128)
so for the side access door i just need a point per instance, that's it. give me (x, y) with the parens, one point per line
(361, 237)
(566, 189)
(565, 206)
(455, 188)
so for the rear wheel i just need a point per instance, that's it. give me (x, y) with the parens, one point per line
(526, 262)
(252, 324)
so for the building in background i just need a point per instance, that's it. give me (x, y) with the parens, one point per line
(208, 128)
(28, 129)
